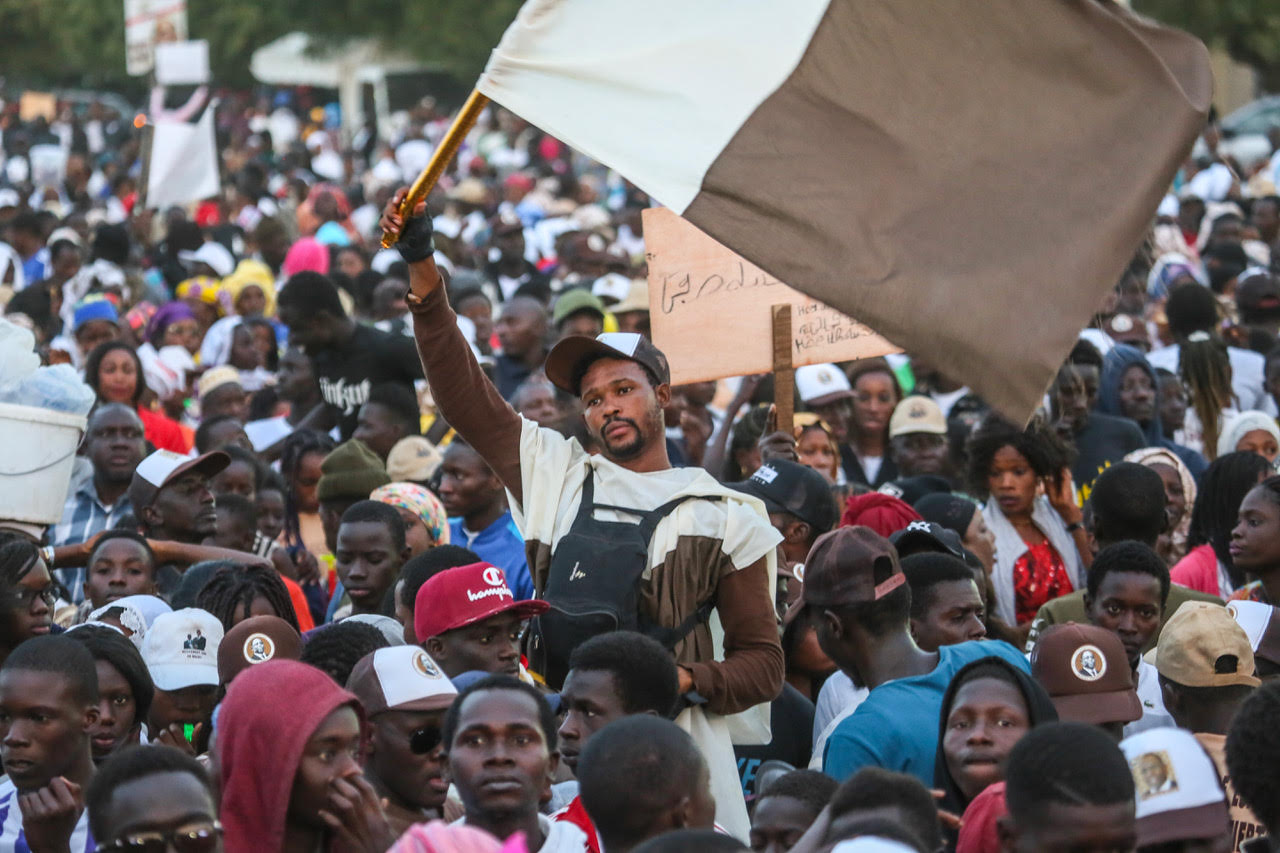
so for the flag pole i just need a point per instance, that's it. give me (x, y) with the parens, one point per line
(440, 158)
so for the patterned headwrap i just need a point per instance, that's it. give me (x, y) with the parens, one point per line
(208, 290)
(421, 503)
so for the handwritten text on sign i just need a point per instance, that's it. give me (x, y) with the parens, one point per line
(710, 309)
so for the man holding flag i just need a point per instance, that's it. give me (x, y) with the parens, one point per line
(621, 539)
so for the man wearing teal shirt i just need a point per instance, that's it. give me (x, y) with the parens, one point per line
(854, 582)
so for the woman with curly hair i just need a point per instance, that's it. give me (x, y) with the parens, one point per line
(1042, 548)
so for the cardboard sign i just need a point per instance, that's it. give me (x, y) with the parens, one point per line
(711, 310)
(33, 105)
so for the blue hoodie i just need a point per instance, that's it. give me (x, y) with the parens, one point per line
(1114, 365)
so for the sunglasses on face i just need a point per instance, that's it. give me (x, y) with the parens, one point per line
(425, 739)
(24, 598)
(201, 838)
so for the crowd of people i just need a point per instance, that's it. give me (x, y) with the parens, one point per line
(419, 549)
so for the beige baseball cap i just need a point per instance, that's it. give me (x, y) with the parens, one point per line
(917, 414)
(1203, 646)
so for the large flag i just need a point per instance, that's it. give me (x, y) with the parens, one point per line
(968, 178)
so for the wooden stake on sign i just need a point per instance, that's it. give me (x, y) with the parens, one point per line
(784, 376)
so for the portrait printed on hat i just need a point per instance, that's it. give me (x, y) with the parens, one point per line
(1088, 663)
(258, 648)
(195, 643)
(1153, 774)
(425, 666)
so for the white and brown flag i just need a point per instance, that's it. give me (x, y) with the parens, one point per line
(968, 178)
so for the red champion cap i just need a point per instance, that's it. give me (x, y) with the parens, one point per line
(465, 595)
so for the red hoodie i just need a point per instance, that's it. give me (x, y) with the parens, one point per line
(270, 712)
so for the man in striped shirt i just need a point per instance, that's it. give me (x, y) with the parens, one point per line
(114, 445)
(48, 704)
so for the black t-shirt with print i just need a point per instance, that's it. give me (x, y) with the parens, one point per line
(347, 373)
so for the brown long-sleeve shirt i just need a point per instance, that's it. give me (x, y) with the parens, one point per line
(705, 551)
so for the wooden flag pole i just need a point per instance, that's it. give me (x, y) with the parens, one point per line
(440, 158)
(784, 376)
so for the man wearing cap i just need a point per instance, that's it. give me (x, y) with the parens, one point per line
(798, 501)
(578, 312)
(695, 541)
(404, 695)
(1180, 803)
(172, 500)
(862, 602)
(918, 435)
(1206, 667)
(180, 650)
(1084, 670)
(221, 393)
(469, 620)
(825, 391)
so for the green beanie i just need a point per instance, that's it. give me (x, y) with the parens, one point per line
(350, 472)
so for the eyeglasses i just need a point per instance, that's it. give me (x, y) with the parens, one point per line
(202, 838)
(24, 598)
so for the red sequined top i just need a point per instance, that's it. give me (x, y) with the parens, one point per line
(1039, 576)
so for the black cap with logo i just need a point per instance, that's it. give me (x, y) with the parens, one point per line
(787, 486)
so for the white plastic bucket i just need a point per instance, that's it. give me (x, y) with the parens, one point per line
(37, 452)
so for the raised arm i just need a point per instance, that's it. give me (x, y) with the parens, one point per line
(464, 395)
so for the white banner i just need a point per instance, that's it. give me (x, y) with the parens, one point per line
(147, 22)
(184, 162)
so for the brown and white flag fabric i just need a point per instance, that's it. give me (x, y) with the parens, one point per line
(968, 178)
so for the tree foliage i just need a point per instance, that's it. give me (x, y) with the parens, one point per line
(81, 42)
(1248, 29)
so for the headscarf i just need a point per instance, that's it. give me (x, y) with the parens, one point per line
(1040, 710)
(1114, 366)
(166, 315)
(421, 503)
(1243, 424)
(207, 290)
(1163, 456)
(306, 255)
(270, 712)
(884, 514)
(251, 273)
(440, 837)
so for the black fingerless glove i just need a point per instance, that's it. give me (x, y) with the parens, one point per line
(416, 241)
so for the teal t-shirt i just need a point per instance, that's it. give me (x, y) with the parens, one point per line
(896, 727)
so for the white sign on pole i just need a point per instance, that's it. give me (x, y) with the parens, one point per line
(184, 162)
(146, 23)
(182, 63)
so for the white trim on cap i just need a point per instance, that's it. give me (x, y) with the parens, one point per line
(1191, 781)
(408, 674)
(159, 465)
(624, 342)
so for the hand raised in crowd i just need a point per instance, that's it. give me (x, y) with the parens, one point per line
(415, 241)
(176, 738)
(356, 817)
(1061, 491)
(49, 815)
(775, 443)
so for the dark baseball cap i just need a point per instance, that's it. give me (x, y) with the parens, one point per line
(925, 536)
(787, 486)
(850, 565)
(1086, 672)
(571, 357)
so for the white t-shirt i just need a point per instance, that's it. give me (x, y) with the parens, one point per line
(837, 699)
(1154, 715)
